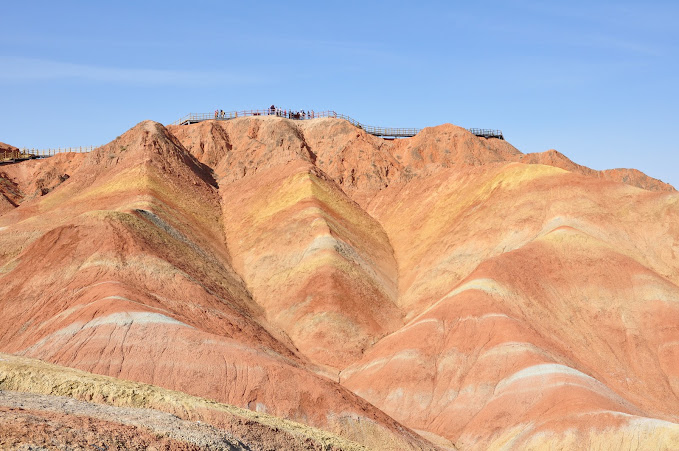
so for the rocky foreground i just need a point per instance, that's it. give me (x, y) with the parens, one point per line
(440, 291)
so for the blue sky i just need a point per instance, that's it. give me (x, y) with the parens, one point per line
(597, 81)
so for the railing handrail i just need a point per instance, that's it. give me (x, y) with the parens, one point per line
(285, 113)
(25, 153)
(55, 150)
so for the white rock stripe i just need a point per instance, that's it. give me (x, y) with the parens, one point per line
(119, 319)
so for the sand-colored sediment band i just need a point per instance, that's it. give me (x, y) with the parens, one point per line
(465, 289)
(610, 430)
(548, 376)
(329, 253)
(34, 376)
(120, 319)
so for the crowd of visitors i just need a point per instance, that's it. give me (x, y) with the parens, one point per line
(275, 111)
(271, 111)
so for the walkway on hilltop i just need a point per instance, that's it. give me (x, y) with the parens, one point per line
(382, 132)
(16, 156)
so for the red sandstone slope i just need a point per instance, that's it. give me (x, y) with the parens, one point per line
(9, 194)
(123, 271)
(529, 290)
(469, 295)
(628, 176)
(449, 204)
(360, 163)
(321, 268)
(39, 177)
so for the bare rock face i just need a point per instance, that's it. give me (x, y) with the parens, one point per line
(34, 178)
(320, 266)
(526, 294)
(123, 270)
(441, 290)
(628, 176)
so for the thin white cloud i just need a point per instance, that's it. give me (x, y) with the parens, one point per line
(29, 69)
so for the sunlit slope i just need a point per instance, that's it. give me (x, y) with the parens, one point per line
(321, 268)
(543, 309)
(359, 163)
(477, 295)
(123, 271)
(462, 217)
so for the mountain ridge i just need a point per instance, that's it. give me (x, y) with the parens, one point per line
(367, 287)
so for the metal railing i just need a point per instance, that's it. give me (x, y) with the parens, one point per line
(385, 132)
(10, 154)
(486, 133)
(52, 152)
(13, 156)
(297, 115)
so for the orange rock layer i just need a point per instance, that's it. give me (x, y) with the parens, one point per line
(442, 286)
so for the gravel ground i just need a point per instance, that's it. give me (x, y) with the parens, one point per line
(32, 422)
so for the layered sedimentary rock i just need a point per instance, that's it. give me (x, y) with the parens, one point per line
(444, 284)
(532, 308)
(57, 407)
(123, 271)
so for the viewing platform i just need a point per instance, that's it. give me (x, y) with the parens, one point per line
(382, 132)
